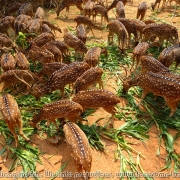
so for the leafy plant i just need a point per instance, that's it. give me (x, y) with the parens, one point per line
(51, 11)
(22, 40)
(135, 124)
(93, 134)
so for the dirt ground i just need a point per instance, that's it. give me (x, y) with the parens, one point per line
(104, 163)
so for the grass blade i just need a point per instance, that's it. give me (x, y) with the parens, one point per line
(60, 170)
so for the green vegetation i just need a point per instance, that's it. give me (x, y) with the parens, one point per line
(52, 11)
(135, 123)
(21, 39)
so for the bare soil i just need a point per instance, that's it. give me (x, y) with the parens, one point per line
(102, 162)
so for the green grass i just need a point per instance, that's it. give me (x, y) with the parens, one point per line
(163, 123)
(135, 124)
(52, 11)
